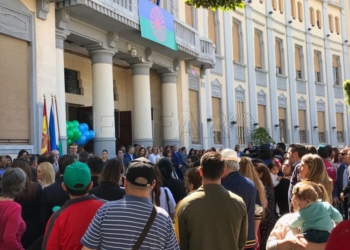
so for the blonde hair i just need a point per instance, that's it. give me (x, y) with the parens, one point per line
(317, 173)
(247, 169)
(48, 174)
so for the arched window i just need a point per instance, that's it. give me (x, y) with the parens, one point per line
(330, 22)
(292, 5)
(312, 17)
(319, 19)
(337, 25)
(300, 11)
(274, 4)
(280, 5)
(212, 29)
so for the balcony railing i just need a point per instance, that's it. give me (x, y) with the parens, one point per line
(239, 71)
(338, 92)
(260, 77)
(320, 89)
(281, 82)
(185, 33)
(301, 86)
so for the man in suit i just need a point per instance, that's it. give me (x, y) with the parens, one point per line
(341, 183)
(177, 160)
(130, 153)
(125, 160)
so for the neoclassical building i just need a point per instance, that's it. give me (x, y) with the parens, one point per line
(274, 64)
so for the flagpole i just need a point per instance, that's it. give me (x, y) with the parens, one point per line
(58, 122)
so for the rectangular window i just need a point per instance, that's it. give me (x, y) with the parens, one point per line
(216, 114)
(212, 29)
(330, 22)
(312, 17)
(302, 125)
(319, 19)
(340, 134)
(336, 75)
(262, 115)
(278, 55)
(282, 124)
(300, 11)
(236, 40)
(320, 122)
(189, 15)
(337, 25)
(258, 49)
(240, 122)
(194, 116)
(71, 81)
(317, 67)
(297, 58)
(292, 5)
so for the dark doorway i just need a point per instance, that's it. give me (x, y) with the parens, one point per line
(123, 129)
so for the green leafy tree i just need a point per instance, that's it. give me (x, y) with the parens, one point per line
(260, 136)
(216, 4)
(346, 86)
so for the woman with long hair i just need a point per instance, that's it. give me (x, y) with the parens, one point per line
(22, 153)
(155, 155)
(162, 196)
(45, 174)
(110, 181)
(141, 152)
(281, 190)
(12, 224)
(246, 168)
(336, 157)
(29, 199)
(269, 218)
(312, 169)
(192, 152)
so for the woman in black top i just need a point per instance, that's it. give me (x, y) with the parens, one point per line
(176, 186)
(281, 190)
(29, 199)
(110, 181)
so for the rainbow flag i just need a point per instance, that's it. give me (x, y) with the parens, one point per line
(45, 141)
(156, 24)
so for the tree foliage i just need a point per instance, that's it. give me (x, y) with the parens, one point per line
(216, 4)
(346, 86)
(260, 136)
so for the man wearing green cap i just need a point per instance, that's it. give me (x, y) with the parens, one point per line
(68, 224)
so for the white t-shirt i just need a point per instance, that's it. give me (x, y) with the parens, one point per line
(153, 158)
(164, 203)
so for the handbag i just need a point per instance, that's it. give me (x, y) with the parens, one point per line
(145, 229)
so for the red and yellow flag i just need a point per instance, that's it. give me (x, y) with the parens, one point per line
(45, 141)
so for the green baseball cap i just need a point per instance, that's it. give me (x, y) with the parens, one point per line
(77, 176)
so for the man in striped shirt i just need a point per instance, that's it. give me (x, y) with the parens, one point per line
(118, 224)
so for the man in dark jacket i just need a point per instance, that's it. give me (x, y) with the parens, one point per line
(54, 195)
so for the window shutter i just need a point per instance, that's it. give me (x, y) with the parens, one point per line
(297, 58)
(339, 121)
(236, 42)
(320, 121)
(262, 115)
(317, 61)
(302, 116)
(278, 53)
(189, 15)
(257, 47)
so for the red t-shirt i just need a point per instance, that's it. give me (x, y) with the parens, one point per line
(12, 225)
(340, 237)
(332, 172)
(68, 225)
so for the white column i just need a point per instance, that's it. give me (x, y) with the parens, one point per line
(313, 133)
(103, 101)
(272, 74)
(142, 119)
(332, 133)
(170, 117)
(61, 92)
(293, 109)
(251, 67)
(230, 93)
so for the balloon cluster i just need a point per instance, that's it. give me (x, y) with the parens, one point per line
(78, 133)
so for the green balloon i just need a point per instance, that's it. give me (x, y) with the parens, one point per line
(70, 134)
(78, 135)
(70, 124)
(75, 123)
(69, 142)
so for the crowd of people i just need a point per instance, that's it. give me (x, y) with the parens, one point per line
(155, 198)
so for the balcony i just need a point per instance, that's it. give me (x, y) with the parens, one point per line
(260, 77)
(121, 16)
(281, 82)
(338, 92)
(301, 86)
(320, 89)
(239, 71)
